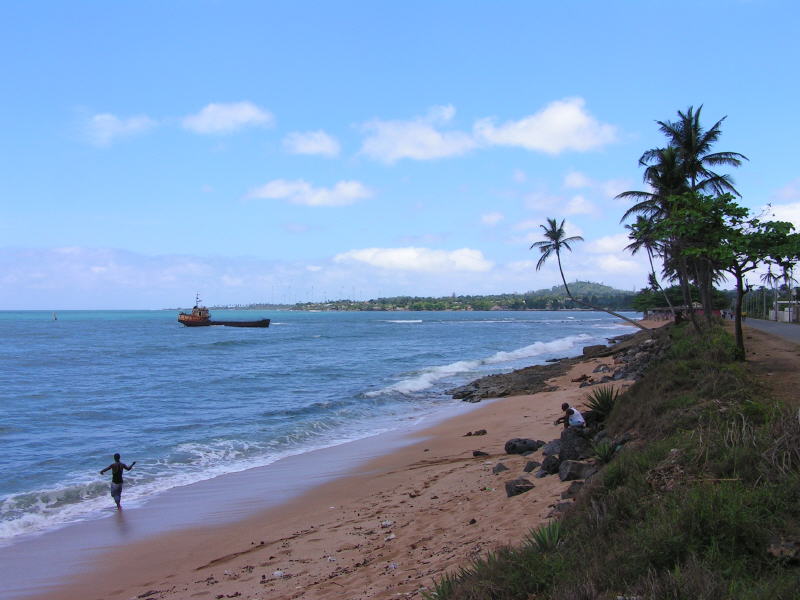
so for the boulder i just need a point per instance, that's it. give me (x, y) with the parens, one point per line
(569, 470)
(541, 473)
(518, 486)
(531, 465)
(574, 446)
(589, 350)
(550, 464)
(551, 447)
(572, 490)
(499, 468)
(520, 445)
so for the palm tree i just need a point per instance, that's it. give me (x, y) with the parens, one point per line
(641, 232)
(556, 240)
(693, 144)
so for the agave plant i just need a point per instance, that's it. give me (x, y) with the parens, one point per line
(602, 400)
(604, 451)
(546, 536)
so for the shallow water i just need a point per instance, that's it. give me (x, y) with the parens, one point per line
(189, 404)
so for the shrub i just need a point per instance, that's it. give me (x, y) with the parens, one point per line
(604, 451)
(546, 537)
(602, 400)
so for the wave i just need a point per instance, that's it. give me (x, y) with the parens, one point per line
(401, 320)
(429, 376)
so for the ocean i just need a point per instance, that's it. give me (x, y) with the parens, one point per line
(190, 404)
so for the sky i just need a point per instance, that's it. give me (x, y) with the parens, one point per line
(297, 151)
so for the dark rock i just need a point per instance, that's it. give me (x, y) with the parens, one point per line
(560, 508)
(520, 445)
(589, 350)
(601, 369)
(472, 521)
(541, 473)
(601, 435)
(586, 384)
(574, 445)
(479, 453)
(499, 468)
(550, 464)
(529, 380)
(572, 490)
(573, 469)
(531, 465)
(518, 486)
(551, 447)
(479, 432)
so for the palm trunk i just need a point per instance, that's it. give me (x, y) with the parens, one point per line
(586, 304)
(740, 353)
(683, 277)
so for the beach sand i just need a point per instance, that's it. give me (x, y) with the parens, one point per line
(387, 529)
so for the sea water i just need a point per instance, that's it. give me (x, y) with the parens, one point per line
(189, 404)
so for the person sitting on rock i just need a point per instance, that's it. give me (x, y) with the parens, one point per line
(572, 417)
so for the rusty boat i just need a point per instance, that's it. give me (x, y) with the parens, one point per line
(200, 317)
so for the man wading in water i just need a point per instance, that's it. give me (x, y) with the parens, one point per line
(116, 478)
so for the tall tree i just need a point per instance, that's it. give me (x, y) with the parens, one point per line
(643, 236)
(555, 241)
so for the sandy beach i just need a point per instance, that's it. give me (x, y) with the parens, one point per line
(387, 528)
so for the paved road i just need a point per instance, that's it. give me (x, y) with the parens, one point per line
(787, 331)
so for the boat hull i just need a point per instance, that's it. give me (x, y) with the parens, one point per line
(208, 323)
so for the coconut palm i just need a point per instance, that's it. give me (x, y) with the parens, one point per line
(693, 144)
(555, 241)
(643, 236)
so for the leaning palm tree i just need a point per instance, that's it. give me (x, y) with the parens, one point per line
(641, 232)
(555, 241)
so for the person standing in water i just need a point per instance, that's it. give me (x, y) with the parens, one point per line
(116, 478)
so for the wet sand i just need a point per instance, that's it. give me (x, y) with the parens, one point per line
(377, 518)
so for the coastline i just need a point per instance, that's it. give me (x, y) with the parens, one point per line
(427, 484)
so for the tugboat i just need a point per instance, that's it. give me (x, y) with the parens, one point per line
(200, 317)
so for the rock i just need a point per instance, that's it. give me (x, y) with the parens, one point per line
(574, 446)
(559, 508)
(518, 486)
(520, 445)
(583, 377)
(586, 383)
(572, 490)
(601, 369)
(552, 447)
(472, 522)
(541, 473)
(589, 350)
(573, 469)
(479, 432)
(479, 453)
(600, 436)
(550, 464)
(499, 468)
(531, 465)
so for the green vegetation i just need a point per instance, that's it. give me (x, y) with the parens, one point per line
(555, 298)
(697, 508)
(602, 401)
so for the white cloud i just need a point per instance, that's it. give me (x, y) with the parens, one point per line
(227, 118)
(492, 218)
(299, 191)
(785, 212)
(418, 259)
(561, 125)
(311, 142)
(612, 263)
(575, 179)
(609, 244)
(578, 205)
(105, 128)
(418, 139)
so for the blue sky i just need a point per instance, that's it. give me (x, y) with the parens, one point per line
(265, 151)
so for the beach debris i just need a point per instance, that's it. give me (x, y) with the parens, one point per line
(278, 574)
(478, 432)
(472, 522)
(573, 469)
(499, 468)
(389, 537)
(531, 465)
(148, 594)
(786, 551)
(387, 523)
(583, 377)
(479, 453)
(520, 445)
(518, 486)
(392, 566)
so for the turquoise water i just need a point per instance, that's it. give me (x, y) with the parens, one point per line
(191, 403)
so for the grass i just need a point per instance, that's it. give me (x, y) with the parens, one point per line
(687, 512)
